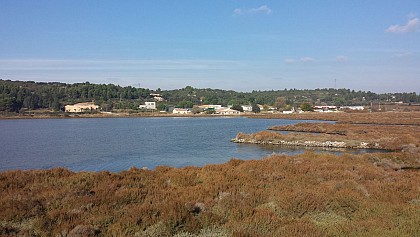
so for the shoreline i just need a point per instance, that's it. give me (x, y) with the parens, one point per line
(309, 143)
(109, 115)
(374, 118)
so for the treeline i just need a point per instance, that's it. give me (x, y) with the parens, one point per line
(20, 95)
(279, 98)
(17, 95)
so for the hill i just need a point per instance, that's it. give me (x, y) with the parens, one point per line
(28, 95)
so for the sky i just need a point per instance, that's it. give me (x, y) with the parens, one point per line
(239, 45)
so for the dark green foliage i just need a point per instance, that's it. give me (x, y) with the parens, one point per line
(238, 108)
(255, 108)
(185, 104)
(162, 107)
(17, 95)
(306, 107)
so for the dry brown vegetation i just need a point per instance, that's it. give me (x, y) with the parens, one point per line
(389, 131)
(385, 118)
(305, 195)
(378, 136)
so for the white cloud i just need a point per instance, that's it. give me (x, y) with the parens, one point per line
(340, 58)
(412, 25)
(301, 60)
(403, 55)
(307, 59)
(289, 60)
(237, 12)
(264, 9)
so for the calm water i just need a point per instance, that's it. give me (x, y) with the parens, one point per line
(117, 144)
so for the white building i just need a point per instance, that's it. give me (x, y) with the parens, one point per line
(148, 105)
(81, 107)
(325, 108)
(247, 108)
(157, 97)
(181, 111)
(352, 108)
(227, 111)
(289, 111)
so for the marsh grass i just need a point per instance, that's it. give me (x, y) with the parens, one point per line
(305, 195)
(396, 138)
(378, 118)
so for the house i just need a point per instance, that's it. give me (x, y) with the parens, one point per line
(352, 108)
(227, 111)
(181, 111)
(247, 108)
(289, 111)
(148, 105)
(325, 108)
(81, 107)
(157, 97)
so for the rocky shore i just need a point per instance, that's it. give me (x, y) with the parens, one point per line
(324, 144)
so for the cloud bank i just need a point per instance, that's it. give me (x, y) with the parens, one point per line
(264, 9)
(307, 59)
(302, 60)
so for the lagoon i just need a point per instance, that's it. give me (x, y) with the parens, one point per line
(115, 144)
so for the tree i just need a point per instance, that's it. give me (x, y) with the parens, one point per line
(256, 108)
(31, 101)
(210, 111)
(196, 109)
(161, 106)
(339, 101)
(238, 108)
(9, 104)
(280, 103)
(306, 107)
(265, 107)
(185, 104)
(288, 107)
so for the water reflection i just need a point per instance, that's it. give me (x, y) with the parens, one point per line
(117, 144)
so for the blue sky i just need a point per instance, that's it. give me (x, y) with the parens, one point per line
(229, 44)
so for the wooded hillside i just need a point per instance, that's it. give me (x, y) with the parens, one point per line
(17, 95)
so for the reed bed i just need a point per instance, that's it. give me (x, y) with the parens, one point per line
(374, 136)
(304, 195)
(378, 118)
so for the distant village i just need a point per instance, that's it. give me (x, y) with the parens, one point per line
(151, 106)
(27, 97)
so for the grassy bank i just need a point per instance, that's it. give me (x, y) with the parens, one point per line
(305, 195)
(395, 138)
(378, 118)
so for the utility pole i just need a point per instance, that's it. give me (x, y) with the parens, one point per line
(335, 83)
